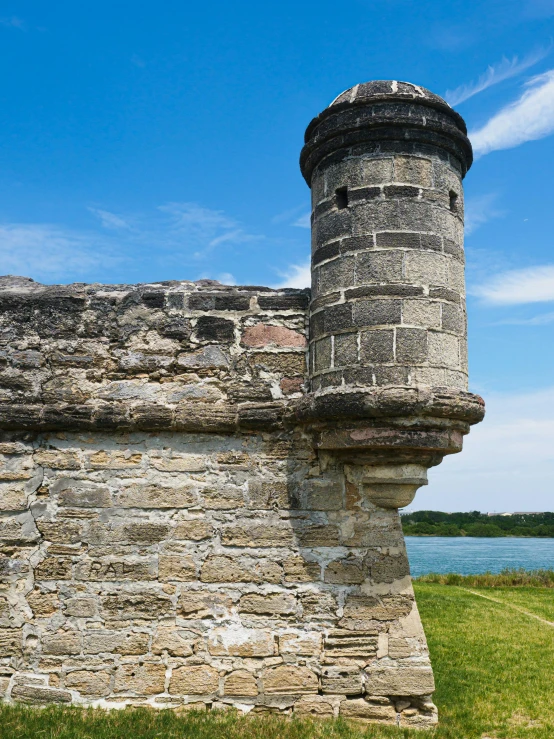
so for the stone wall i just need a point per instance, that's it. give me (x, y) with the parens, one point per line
(180, 355)
(146, 561)
(170, 568)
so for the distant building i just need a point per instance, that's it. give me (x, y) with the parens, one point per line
(518, 513)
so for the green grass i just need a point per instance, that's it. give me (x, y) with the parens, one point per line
(506, 578)
(494, 669)
(539, 601)
(494, 666)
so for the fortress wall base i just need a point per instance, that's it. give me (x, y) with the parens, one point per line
(173, 569)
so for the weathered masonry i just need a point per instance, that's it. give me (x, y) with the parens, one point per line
(200, 484)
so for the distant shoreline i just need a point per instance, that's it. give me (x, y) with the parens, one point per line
(475, 524)
(472, 536)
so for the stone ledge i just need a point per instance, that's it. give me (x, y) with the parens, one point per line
(446, 441)
(390, 402)
(225, 418)
(393, 403)
(21, 287)
(338, 129)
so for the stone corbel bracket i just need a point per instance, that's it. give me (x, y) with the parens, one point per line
(395, 433)
(393, 486)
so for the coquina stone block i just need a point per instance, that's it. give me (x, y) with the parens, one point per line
(199, 484)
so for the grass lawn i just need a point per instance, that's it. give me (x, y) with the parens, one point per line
(494, 669)
(494, 666)
(538, 601)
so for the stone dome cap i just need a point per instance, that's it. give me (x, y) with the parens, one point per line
(380, 105)
(390, 90)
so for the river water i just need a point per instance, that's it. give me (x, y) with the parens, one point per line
(470, 555)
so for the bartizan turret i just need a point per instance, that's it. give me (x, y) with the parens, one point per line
(388, 349)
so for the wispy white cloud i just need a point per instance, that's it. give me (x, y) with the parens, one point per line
(238, 236)
(543, 319)
(202, 229)
(186, 230)
(225, 278)
(448, 36)
(296, 275)
(538, 8)
(196, 220)
(303, 221)
(181, 234)
(47, 252)
(479, 210)
(110, 220)
(526, 119)
(507, 463)
(519, 286)
(13, 22)
(294, 217)
(136, 61)
(287, 215)
(502, 70)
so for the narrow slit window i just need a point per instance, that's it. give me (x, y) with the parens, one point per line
(453, 200)
(342, 197)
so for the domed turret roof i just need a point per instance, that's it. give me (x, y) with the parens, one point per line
(387, 109)
(388, 90)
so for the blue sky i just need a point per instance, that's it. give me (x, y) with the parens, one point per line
(145, 141)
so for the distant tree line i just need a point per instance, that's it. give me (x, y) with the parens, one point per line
(436, 523)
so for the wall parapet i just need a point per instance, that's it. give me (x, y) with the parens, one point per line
(178, 355)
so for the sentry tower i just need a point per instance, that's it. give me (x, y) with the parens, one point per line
(388, 347)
